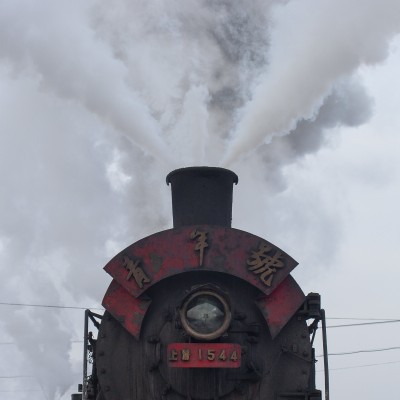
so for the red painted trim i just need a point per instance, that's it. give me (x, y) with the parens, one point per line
(172, 252)
(125, 308)
(204, 355)
(279, 307)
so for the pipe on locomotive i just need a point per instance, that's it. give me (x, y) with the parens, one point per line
(202, 195)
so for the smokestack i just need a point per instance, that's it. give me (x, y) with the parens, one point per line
(202, 195)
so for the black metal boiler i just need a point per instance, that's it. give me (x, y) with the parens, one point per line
(203, 311)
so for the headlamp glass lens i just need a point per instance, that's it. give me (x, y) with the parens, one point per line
(205, 313)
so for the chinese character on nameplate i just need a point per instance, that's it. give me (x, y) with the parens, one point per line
(265, 264)
(201, 243)
(185, 355)
(173, 355)
(135, 271)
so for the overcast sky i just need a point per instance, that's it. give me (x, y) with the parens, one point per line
(99, 102)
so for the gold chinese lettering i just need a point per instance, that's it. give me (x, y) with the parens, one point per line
(135, 271)
(185, 355)
(201, 243)
(173, 355)
(265, 264)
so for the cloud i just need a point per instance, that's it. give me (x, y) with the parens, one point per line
(313, 45)
(98, 103)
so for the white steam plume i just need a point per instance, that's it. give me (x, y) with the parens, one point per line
(190, 133)
(70, 61)
(313, 44)
(99, 100)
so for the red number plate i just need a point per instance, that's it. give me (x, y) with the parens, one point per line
(204, 355)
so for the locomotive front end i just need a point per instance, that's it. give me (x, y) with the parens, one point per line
(204, 311)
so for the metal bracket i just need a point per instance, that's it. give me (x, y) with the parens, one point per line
(89, 386)
(312, 309)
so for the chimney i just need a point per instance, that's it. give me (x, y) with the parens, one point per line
(202, 195)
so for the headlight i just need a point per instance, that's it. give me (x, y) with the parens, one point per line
(205, 315)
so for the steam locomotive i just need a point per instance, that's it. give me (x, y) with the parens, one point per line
(203, 311)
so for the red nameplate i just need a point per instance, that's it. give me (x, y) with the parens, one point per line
(204, 355)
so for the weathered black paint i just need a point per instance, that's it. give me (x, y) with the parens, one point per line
(131, 369)
(202, 195)
(278, 367)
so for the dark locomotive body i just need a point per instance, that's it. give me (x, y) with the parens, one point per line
(204, 311)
